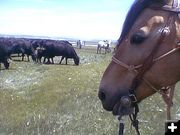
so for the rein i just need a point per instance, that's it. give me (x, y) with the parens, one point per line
(148, 63)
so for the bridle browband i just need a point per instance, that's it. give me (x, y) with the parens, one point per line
(149, 61)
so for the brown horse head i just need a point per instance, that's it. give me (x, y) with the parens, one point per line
(146, 58)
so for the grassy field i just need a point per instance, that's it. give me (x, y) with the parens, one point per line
(38, 99)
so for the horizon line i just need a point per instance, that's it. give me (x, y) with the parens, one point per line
(52, 37)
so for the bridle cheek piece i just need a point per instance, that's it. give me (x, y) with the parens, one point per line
(147, 64)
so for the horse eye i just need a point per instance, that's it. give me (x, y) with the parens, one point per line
(137, 38)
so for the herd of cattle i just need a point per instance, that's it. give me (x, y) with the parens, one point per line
(36, 48)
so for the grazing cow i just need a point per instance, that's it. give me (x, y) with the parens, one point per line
(16, 45)
(46, 50)
(20, 46)
(49, 49)
(29, 50)
(4, 57)
(24, 46)
(5, 52)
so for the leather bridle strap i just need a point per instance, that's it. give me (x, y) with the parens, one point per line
(139, 77)
(134, 68)
(174, 8)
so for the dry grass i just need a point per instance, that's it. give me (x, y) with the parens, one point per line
(62, 100)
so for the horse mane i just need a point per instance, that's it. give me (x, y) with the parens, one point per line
(136, 9)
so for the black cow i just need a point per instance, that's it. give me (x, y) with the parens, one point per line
(49, 49)
(38, 47)
(29, 50)
(15, 44)
(5, 52)
(24, 46)
(20, 46)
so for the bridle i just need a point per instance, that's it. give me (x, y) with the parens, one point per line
(149, 61)
(141, 69)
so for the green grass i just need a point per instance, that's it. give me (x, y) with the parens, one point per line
(57, 99)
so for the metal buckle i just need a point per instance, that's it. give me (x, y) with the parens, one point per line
(165, 31)
(133, 98)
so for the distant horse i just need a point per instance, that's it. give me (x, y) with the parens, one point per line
(146, 60)
(103, 45)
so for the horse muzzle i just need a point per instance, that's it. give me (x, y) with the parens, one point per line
(123, 107)
(121, 104)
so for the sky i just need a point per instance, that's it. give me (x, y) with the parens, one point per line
(82, 19)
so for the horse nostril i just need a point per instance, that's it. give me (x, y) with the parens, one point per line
(102, 95)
